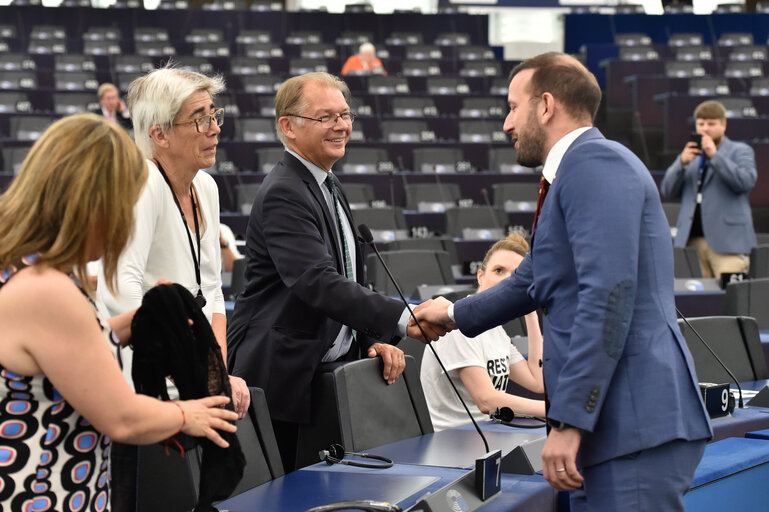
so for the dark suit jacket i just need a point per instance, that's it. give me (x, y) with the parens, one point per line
(297, 297)
(601, 268)
(125, 122)
(727, 221)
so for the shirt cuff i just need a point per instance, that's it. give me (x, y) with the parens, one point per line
(403, 323)
(450, 312)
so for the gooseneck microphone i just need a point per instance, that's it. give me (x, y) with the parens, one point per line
(368, 239)
(707, 346)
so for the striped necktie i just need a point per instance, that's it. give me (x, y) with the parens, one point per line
(338, 210)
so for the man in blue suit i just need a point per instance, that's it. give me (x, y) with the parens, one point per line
(628, 426)
(713, 180)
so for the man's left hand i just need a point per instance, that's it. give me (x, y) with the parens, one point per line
(241, 397)
(559, 459)
(393, 358)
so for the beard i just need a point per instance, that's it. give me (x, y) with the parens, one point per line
(717, 140)
(531, 146)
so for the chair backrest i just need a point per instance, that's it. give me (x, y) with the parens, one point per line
(736, 341)
(477, 217)
(244, 196)
(438, 160)
(238, 280)
(411, 268)
(359, 195)
(686, 262)
(443, 193)
(749, 298)
(166, 482)
(427, 244)
(380, 218)
(373, 413)
(759, 261)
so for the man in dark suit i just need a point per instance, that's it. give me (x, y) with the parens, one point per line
(112, 107)
(304, 302)
(627, 424)
(713, 180)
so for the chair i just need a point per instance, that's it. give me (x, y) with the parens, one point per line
(411, 268)
(29, 127)
(170, 483)
(421, 68)
(404, 38)
(686, 263)
(211, 49)
(685, 39)
(343, 411)
(638, 53)
(150, 34)
(446, 86)
(156, 48)
(16, 62)
(516, 197)
(388, 85)
(124, 80)
(133, 64)
(359, 195)
(466, 53)
(386, 224)
(403, 131)
(499, 87)
(483, 107)
(266, 158)
(729, 8)
(253, 36)
(476, 223)
(75, 81)
(245, 193)
(237, 278)
(504, 160)
(759, 87)
(303, 66)
(440, 160)
(262, 50)
(742, 53)
(71, 103)
(746, 69)
(255, 130)
(204, 35)
(482, 131)
(452, 39)
(431, 197)
(249, 66)
(735, 340)
(423, 52)
(317, 51)
(102, 47)
(13, 157)
(739, 107)
(684, 69)
(364, 160)
(353, 37)
(261, 84)
(13, 102)
(74, 63)
(759, 260)
(632, 39)
(265, 106)
(304, 37)
(445, 244)
(414, 107)
(195, 64)
(694, 53)
(735, 39)
(102, 34)
(481, 68)
(708, 86)
(749, 298)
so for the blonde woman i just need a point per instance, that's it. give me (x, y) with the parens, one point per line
(63, 396)
(480, 367)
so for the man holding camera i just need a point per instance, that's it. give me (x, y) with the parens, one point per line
(713, 177)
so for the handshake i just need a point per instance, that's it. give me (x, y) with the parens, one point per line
(434, 318)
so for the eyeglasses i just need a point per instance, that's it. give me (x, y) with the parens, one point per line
(329, 120)
(203, 123)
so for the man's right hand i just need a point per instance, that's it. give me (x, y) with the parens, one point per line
(434, 318)
(689, 153)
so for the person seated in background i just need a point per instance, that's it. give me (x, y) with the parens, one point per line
(365, 62)
(65, 399)
(112, 107)
(480, 367)
(229, 247)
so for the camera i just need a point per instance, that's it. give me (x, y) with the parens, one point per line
(696, 137)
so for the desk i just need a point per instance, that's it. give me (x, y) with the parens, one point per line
(403, 484)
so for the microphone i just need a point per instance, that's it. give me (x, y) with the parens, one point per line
(494, 219)
(707, 346)
(368, 239)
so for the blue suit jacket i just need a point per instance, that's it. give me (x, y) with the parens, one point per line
(601, 268)
(726, 218)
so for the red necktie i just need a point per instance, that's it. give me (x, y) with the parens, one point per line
(544, 186)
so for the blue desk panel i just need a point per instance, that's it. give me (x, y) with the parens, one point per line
(740, 422)
(731, 476)
(453, 448)
(302, 489)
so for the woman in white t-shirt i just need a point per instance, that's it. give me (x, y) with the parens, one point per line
(480, 367)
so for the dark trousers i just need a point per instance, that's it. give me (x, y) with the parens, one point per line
(123, 459)
(286, 435)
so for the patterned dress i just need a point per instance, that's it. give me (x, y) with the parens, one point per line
(51, 458)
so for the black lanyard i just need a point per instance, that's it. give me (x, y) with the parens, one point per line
(199, 298)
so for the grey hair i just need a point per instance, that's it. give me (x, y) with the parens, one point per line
(156, 98)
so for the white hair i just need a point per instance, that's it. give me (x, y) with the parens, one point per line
(156, 98)
(366, 47)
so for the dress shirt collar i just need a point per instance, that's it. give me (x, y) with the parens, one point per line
(554, 157)
(319, 174)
